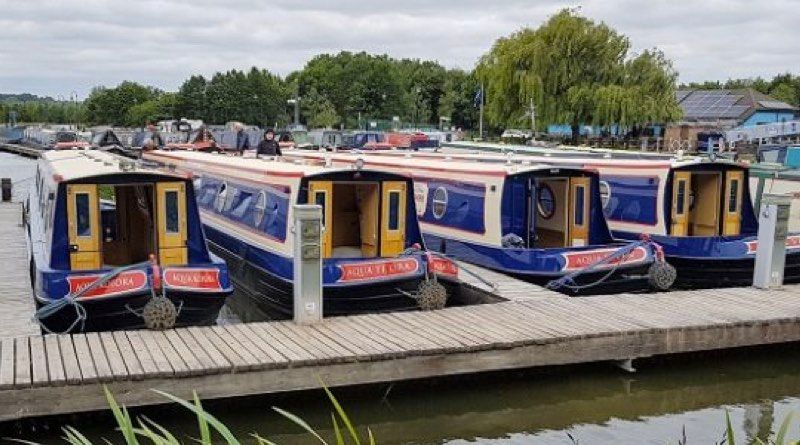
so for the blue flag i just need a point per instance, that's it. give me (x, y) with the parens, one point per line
(478, 97)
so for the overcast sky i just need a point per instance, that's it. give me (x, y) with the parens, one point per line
(55, 47)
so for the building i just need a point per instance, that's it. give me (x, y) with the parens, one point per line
(716, 111)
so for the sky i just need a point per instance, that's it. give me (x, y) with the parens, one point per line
(65, 47)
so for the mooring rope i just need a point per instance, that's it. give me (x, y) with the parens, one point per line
(621, 254)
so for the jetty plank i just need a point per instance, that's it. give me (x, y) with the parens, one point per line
(98, 354)
(149, 367)
(86, 362)
(55, 365)
(22, 374)
(72, 369)
(115, 361)
(166, 359)
(7, 362)
(129, 356)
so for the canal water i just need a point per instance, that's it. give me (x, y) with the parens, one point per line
(586, 405)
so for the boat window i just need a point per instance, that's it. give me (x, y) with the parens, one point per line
(733, 203)
(319, 199)
(198, 183)
(394, 210)
(681, 198)
(242, 204)
(171, 218)
(439, 202)
(546, 204)
(222, 193)
(580, 198)
(260, 208)
(605, 193)
(82, 214)
(231, 196)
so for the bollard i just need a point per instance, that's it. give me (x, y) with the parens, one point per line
(307, 229)
(6, 186)
(773, 224)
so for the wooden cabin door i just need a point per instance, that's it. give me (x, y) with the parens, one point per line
(83, 216)
(681, 189)
(393, 218)
(368, 197)
(321, 193)
(579, 198)
(732, 219)
(171, 222)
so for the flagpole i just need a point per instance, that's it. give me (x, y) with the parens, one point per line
(480, 125)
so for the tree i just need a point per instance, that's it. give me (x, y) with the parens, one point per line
(458, 101)
(154, 110)
(318, 110)
(577, 72)
(190, 101)
(111, 105)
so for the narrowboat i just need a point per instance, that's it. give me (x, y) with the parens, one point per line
(373, 252)
(330, 140)
(542, 223)
(365, 140)
(411, 141)
(106, 234)
(198, 140)
(698, 209)
(107, 140)
(54, 139)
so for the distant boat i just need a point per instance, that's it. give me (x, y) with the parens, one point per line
(373, 250)
(111, 233)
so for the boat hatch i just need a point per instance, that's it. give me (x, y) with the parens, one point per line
(361, 219)
(113, 225)
(558, 212)
(706, 203)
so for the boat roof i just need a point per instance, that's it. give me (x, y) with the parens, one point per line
(418, 164)
(70, 165)
(251, 165)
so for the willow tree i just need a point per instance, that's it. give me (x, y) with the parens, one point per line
(576, 72)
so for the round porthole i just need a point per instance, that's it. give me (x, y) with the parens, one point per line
(439, 202)
(605, 193)
(222, 193)
(546, 204)
(260, 208)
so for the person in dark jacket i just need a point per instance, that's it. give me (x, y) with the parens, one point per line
(269, 146)
(242, 139)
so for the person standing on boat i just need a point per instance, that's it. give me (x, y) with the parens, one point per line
(242, 139)
(269, 146)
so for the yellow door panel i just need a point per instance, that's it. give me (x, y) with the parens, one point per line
(681, 189)
(704, 215)
(321, 193)
(393, 218)
(732, 219)
(369, 197)
(83, 216)
(579, 198)
(171, 220)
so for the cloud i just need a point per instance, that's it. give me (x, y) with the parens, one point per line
(55, 47)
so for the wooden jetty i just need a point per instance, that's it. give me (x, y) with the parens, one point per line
(21, 150)
(530, 327)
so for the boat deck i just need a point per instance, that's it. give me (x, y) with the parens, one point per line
(58, 374)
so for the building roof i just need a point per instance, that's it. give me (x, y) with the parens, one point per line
(716, 105)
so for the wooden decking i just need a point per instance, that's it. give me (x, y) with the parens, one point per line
(21, 150)
(16, 301)
(56, 374)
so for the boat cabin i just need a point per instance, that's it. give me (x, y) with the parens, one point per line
(91, 212)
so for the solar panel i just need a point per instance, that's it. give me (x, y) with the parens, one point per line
(681, 94)
(712, 104)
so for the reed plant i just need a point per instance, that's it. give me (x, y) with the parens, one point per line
(144, 431)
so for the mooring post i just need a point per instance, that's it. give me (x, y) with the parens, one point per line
(6, 186)
(773, 225)
(307, 230)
